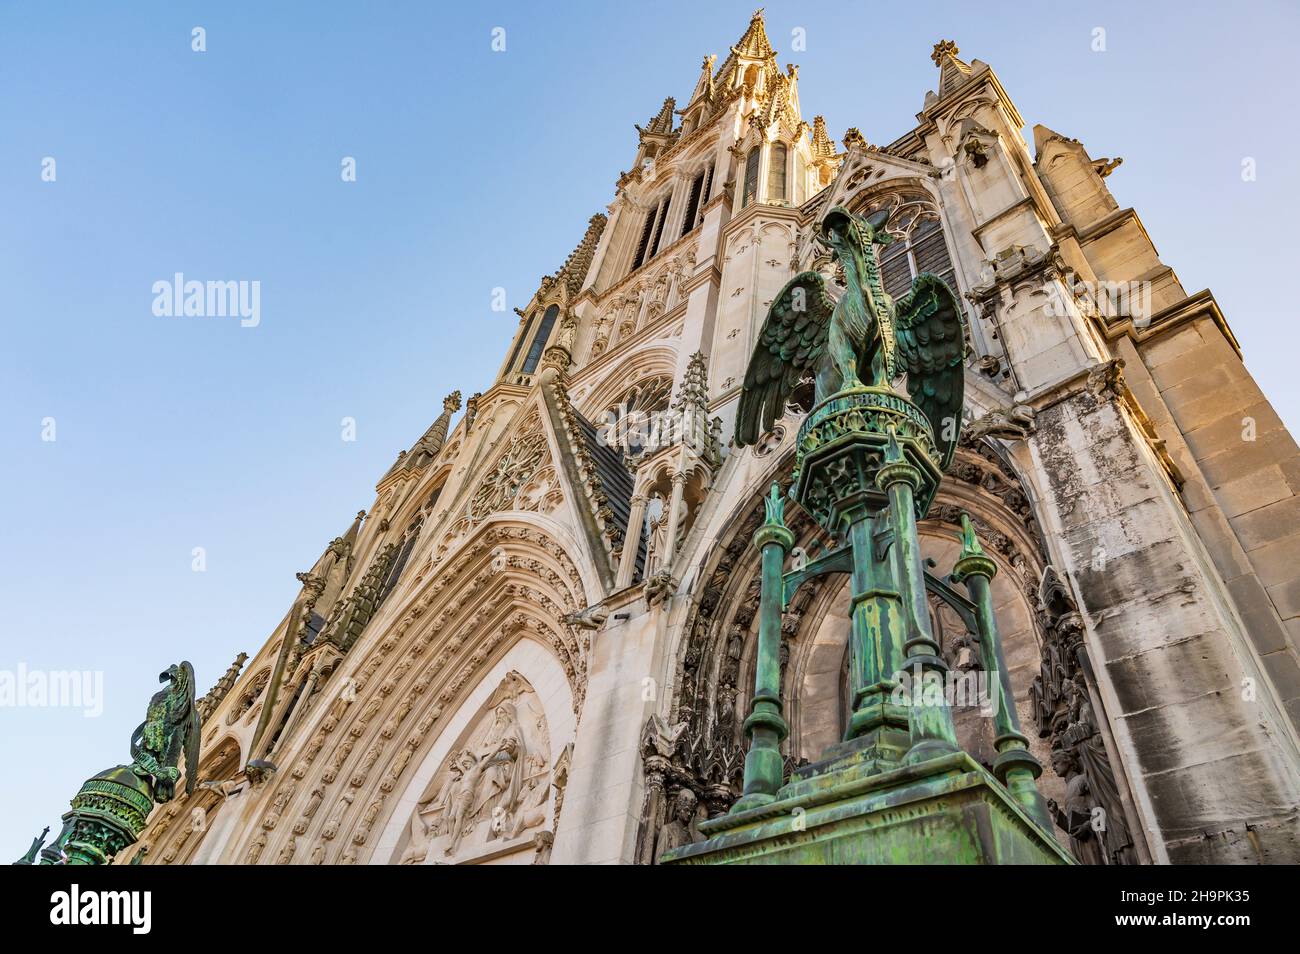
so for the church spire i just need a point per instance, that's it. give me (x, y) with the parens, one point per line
(208, 704)
(952, 71)
(428, 446)
(824, 157)
(754, 44)
(822, 147)
(662, 121)
(704, 85)
(657, 134)
(349, 539)
(575, 266)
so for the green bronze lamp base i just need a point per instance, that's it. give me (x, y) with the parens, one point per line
(947, 810)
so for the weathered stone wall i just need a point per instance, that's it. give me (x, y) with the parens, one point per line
(1242, 473)
(1210, 761)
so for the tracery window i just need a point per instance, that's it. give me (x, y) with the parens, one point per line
(652, 232)
(629, 422)
(647, 229)
(918, 245)
(399, 563)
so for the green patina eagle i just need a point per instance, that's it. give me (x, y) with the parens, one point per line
(863, 334)
(171, 726)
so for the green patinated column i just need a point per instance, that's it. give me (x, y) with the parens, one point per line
(1015, 766)
(929, 718)
(875, 641)
(765, 727)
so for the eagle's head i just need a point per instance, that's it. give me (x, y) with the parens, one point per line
(843, 230)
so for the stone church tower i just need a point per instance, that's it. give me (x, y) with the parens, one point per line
(535, 645)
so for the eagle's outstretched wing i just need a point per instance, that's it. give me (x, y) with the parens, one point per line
(931, 335)
(192, 751)
(790, 346)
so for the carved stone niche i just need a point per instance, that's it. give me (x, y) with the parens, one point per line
(491, 795)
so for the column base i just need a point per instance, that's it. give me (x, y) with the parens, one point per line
(947, 810)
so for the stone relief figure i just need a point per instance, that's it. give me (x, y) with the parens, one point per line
(531, 808)
(1065, 712)
(659, 553)
(460, 798)
(1090, 754)
(681, 828)
(494, 787)
(1076, 818)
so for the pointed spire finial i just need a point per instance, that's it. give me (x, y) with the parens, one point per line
(970, 543)
(853, 137)
(754, 44)
(972, 561)
(943, 48)
(952, 71)
(451, 403)
(774, 507)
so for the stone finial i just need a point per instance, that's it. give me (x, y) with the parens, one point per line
(822, 147)
(208, 704)
(941, 49)
(853, 137)
(694, 392)
(451, 403)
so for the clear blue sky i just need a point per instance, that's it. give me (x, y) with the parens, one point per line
(475, 170)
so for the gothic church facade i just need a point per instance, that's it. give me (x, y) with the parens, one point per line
(536, 645)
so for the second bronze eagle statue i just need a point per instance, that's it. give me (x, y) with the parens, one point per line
(863, 334)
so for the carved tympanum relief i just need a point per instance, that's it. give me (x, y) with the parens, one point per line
(492, 792)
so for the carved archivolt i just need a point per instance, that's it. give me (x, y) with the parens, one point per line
(507, 583)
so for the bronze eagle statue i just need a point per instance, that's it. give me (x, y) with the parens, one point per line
(171, 726)
(863, 334)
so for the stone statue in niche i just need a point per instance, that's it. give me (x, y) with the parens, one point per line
(493, 787)
(1076, 817)
(680, 829)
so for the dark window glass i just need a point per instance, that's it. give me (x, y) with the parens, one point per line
(895, 270)
(539, 340)
(646, 231)
(923, 251)
(399, 564)
(659, 229)
(751, 177)
(693, 203)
